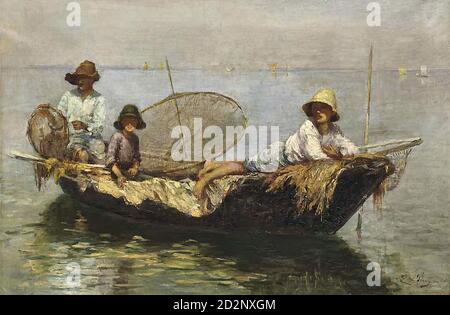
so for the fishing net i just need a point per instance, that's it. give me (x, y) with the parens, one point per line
(397, 152)
(399, 159)
(48, 132)
(170, 151)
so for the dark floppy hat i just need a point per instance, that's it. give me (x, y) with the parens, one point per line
(85, 69)
(130, 110)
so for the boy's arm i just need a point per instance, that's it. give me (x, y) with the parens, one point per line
(137, 152)
(136, 159)
(345, 145)
(134, 169)
(120, 178)
(111, 161)
(111, 152)
(116, 170)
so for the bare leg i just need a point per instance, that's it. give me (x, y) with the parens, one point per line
(223, 169)
(208, 167)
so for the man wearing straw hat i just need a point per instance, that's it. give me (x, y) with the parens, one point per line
(318, 138)
(84, 109)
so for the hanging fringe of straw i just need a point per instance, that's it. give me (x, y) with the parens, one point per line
(314, 183)
(378, 195)
(56, 169)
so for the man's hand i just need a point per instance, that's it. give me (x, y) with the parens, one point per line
(79, 125)
(121, 180)
(332, 152)
(132, 172)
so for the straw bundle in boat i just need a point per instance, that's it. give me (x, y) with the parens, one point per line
(314, 182)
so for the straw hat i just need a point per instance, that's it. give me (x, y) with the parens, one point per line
(324, 96)
(85, 69)
(130, 111)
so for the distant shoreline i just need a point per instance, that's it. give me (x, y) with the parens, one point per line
(215, 68)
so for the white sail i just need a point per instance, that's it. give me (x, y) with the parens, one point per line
(423, 71)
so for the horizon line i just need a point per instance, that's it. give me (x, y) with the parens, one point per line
(280, 69)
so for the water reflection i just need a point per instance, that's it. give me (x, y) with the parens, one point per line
(117, 255)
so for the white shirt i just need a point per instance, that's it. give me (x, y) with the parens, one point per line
(307, 143)
(90, 111)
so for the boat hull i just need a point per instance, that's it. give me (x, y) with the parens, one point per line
(251, 206)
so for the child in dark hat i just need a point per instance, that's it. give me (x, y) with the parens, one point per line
(123, 156)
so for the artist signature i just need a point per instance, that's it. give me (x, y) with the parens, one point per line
(419, 280)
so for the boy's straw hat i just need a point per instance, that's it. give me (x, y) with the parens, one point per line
(130, 110)
(85, 69)
(325, 96)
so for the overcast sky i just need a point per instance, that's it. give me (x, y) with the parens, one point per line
(202, 34)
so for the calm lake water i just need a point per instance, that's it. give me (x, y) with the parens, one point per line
(44, 236)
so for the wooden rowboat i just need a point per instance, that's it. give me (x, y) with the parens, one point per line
(314, 196)
(244, 202)
(236, 201)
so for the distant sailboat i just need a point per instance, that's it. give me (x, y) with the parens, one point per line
(274, 67)
(423, 73)
(402, 71)
(146, 66)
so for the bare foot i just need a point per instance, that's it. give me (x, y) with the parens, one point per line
(199, 192)
(199, 189)
(204, 206)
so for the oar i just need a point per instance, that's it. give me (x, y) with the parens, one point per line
(35, 159)
(24, 156)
